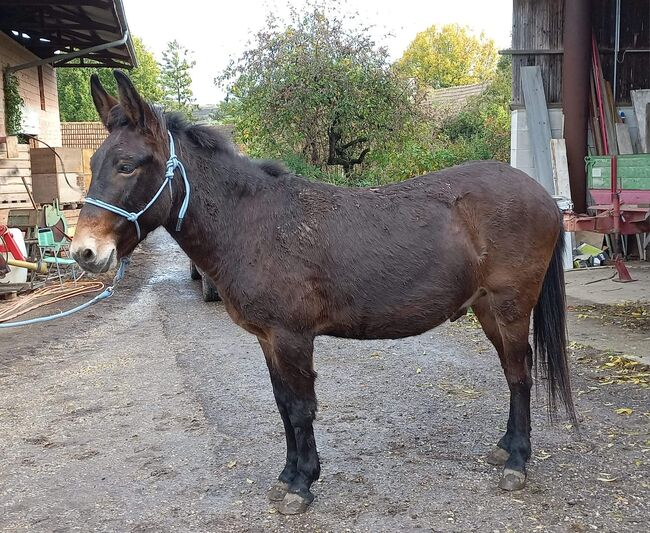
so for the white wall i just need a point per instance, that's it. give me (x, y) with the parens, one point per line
(521, 153)
(48, 122)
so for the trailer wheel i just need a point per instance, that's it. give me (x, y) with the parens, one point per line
(208, 291)
(194, 272)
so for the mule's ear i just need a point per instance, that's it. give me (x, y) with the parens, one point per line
(135, 108)
(104, 102)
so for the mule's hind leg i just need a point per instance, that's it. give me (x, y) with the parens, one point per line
(289, 359)
(507, 327)
(499, 455)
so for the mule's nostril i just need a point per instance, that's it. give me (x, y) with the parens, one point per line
(87, 254)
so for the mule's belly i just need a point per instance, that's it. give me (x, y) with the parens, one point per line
(402, 313)
(386, 328)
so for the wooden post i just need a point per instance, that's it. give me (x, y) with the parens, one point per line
(12, 147)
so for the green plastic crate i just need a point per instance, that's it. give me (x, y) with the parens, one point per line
(633, 171)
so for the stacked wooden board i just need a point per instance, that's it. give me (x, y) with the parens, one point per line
(15, 166)
(610, 136)
(31, 178)
(59, 176)
(609, 130)
(641, 102)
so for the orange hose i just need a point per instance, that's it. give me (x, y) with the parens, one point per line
(53, 295)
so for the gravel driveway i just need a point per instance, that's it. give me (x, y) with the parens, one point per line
(154, 412)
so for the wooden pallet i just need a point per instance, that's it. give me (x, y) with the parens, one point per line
(9, 291)
(15, 164)
(12, 150)
(15, 201)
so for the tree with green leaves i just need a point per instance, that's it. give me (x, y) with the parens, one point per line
(318, 87)
(482, 128)
(176, 78)
(448, 56)
(75, 102)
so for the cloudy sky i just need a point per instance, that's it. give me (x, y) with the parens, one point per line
(216, 30)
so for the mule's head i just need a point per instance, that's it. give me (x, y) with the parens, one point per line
(127, 170)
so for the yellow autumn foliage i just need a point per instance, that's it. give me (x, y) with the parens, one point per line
(448, 56)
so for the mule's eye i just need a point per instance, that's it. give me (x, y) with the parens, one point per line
(126, 169)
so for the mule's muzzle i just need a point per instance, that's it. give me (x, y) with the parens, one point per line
(93, 258)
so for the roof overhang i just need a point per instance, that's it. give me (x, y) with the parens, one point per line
(71, 33)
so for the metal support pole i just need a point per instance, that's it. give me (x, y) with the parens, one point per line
(575, 95)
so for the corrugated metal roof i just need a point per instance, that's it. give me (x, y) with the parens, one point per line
(49, 28)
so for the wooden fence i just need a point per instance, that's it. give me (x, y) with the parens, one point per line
(83, 134)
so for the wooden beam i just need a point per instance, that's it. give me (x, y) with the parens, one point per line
(100, 62)
(539, 127)
(531, 52)
(640, 100)
(48, 3)
(22, 25)
(647, 126)
(12, 147)
(623, 139)
(560, 168)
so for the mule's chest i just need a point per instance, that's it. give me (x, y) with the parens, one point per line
(241, 318)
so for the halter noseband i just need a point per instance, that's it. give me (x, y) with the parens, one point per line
(172, 164)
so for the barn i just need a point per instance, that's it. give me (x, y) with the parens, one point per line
(593, 58)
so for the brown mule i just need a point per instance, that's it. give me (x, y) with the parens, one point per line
(293, 259)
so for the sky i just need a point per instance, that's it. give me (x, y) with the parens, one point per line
(216, 30)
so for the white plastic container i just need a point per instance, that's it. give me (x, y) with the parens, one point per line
(17, 275)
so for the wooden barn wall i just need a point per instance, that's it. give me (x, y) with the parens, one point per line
(538, 25)
(633, 69)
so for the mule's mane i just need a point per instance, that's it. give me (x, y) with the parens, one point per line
(210, 138)
(202, 136)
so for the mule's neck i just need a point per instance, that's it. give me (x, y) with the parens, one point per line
(220, 184)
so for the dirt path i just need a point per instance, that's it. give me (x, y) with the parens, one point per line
(154, 412)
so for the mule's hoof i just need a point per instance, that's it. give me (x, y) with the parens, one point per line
(295, 503)
(498, 456)
(512, 480)
(278, 491)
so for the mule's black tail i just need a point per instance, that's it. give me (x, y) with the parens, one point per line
(550, 334)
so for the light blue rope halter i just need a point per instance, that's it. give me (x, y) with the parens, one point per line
(172, 164)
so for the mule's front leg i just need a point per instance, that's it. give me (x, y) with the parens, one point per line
(290, 362)
(279, 490)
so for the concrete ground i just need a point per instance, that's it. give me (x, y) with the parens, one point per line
(595, 298)
(153, 412)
